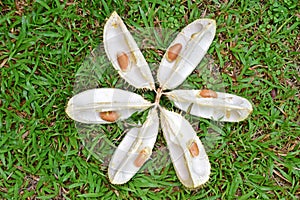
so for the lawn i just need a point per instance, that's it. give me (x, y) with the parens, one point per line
(42, 151)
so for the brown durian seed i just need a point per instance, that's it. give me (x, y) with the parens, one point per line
(193, 148)
(110, 116)
(142, 157)
(208, 94)
(123, 61)
(173, 52)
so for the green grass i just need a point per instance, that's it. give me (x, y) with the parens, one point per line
(43, 45)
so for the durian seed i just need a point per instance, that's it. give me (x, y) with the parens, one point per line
(173, 52)
(123, 61)
(208, 94)
(110, 116)
(142, 157)
(194, 150)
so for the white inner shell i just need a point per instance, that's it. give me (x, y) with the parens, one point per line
(192, 171)
(86, 106)
(117, 39)
(195, 40)
(121, 167)
(226, 107)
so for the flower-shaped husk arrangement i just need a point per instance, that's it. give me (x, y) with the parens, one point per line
(108, 105)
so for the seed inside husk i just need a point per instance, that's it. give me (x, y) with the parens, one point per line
(208, 94)
(194, 150)
(173, 52)
(142, 157)
(110, 116)
(123, 61)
